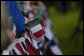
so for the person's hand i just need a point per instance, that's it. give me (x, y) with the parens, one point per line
(26, 20)
(10, 35)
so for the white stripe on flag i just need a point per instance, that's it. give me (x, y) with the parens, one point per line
(17, 51)
(55, 49)
(5, 52)
(22, 47)
(35, 44)
(27, 37)
(36, 28)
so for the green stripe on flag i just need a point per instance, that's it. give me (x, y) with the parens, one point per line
(33, 23)
(39, 18)
(36, 21)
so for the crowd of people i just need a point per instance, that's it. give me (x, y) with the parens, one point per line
(28, 29)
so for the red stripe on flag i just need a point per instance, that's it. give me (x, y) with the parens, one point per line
(29, 49)
(39, 33)
(20, 49)
(10, 53)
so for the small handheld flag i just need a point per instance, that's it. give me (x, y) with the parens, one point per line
(36, 28)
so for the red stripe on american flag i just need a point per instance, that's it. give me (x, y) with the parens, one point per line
(32, 49)
(10, 53)
(29, 49)
(20, 49)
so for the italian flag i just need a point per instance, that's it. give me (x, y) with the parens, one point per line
(36, 28)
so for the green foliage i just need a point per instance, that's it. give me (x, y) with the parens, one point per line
(63, 26)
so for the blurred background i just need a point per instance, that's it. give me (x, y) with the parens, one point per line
(67, 24)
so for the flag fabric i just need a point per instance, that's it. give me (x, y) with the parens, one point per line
(22, 46)
(37, 31)
(36, 28)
